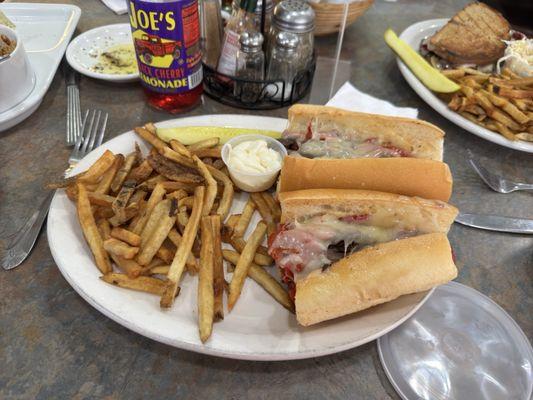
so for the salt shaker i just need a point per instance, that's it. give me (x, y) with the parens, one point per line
(296, 17)
(250, 66)
(283, 65)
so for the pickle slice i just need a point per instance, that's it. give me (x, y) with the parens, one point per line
(192, 134)
(429, 76)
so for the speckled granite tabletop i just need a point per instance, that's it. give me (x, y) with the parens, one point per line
(53, 345)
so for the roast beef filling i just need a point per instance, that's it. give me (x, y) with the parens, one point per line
(330, 143)
(317, 242)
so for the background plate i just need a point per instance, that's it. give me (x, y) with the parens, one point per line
(413, 35)
(83, 51)
(258, 328)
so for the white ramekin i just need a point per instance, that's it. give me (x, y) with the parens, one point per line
(16, 75)
(253, 182)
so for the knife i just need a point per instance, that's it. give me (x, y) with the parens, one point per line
(496, 223)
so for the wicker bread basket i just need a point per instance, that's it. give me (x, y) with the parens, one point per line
(328, 16)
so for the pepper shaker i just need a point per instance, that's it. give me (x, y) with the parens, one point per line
(250, 66)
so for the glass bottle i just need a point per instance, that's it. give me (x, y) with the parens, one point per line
(250, 66)
(168, 52)
(269, 8)
(242, 20)
(283, 65)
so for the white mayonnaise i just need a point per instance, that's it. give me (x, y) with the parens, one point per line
(254, 157)
(253, 161)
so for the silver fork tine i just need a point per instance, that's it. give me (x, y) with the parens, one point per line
(87, 134)
(69, 116)
(102, 131)
(77, 114)
(93, 132)
(76, 151)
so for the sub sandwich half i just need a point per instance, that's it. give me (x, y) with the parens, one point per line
(342, 251)
(338, 149)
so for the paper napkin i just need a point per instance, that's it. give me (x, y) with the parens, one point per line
(349, 98)
(118, 6)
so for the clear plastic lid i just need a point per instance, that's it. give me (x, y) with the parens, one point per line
(459, 345)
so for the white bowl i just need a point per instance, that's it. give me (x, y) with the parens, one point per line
(253, 182)
(16, 76)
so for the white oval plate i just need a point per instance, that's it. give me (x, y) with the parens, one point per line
(413, 35)
(258, 328)
(83, 51)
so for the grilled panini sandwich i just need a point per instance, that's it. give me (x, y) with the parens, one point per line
(474, 35)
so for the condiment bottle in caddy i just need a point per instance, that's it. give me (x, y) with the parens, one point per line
(269, 8)
(241, 21)
(166, 35)
(250, 66)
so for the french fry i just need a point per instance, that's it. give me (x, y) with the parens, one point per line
(528, 137)
(215, 152)
(243, 265)
(126, 236)
(120, 248)
(90, 231)
(95, 171)
(178, 264)
(264, 211)
(263, 278)
(123, 172)
(104, 228)
(182, 218)
(150, 138)
(141, 283)
(211, 190)
(129, 212)
(151, 183)
(218, 163)
(141, 172)
(165, 253)
(192, 265)
(179, 148)
(159, 270)
(177, 194)
(513, 93)
(218, 269)
(123, 196)
(172, 186)
(129, 267)
(150, 127)
(506, 132)
(244, 220)
(187, 202)
(153, 237)
(260, 257)
(227, 194)
(107, 179)
(205, 281)
(453, 73)
(274, 206)
(172, 170)
(204, 144)
(177, 158)
(155, 197)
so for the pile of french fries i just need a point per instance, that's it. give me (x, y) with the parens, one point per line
(149, 219)
(501, 103)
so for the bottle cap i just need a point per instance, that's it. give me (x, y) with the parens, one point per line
(294, 16)
(251, 41)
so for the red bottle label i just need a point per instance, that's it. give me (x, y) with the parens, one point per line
(167, 43)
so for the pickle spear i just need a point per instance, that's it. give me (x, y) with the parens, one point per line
(192, 134)
(429, 76)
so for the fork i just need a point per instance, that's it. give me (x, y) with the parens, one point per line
(73, 107)
(496, 182)
(91, 136)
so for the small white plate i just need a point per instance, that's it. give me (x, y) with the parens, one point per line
(45, 30)
(413, 35)
(258, 328)
(84, 50)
